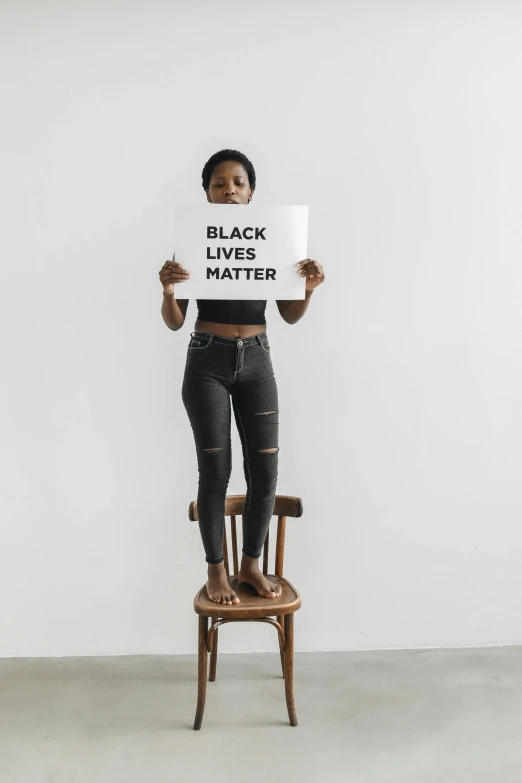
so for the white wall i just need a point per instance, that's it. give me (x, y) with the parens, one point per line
(399, 123)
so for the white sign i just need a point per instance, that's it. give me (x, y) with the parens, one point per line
(241, 251)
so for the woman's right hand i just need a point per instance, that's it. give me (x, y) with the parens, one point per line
(170, 273)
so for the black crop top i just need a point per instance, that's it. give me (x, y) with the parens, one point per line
(232, 311)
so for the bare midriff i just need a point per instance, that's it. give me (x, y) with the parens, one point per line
(229, 330)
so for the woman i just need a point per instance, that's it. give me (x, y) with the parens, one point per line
(228, 356)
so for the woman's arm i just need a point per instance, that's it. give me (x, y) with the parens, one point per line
(173, 311)
(293, 309)
(170, 274)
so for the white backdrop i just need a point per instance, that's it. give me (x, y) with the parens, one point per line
(401, 424)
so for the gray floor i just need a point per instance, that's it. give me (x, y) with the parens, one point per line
(378, 717)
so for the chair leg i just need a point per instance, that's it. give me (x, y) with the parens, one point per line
(281, 621)
(202, 670)
(213, 652)
(289, 668)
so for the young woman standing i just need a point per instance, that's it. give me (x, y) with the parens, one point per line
(228, 358)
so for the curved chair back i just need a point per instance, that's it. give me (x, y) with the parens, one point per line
(284, 506)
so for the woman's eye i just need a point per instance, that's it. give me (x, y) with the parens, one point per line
(220, 184)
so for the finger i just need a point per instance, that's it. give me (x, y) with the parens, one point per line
(174, 278)
(176, 267)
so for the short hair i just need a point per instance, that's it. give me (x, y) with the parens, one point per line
(222, 155)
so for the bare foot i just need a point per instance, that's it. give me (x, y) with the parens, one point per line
(250, 573)
(218, 588)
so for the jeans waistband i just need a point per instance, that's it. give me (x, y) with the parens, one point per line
(233, 341)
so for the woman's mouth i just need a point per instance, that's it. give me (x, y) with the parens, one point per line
(230, 201)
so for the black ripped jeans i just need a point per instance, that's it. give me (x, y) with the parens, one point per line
(217, 369)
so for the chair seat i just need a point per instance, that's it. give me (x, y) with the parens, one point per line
(251, 604)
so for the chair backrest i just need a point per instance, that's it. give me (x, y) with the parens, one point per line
(284, 506)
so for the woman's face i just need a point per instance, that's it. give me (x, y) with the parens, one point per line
(229, 184)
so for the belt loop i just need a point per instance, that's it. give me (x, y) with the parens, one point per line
(211, 338)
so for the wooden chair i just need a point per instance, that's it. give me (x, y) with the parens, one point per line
(252, 607)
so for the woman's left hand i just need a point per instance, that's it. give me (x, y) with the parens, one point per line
(313, 271)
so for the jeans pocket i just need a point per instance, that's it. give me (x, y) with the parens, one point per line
(265, 345)
(198, 343)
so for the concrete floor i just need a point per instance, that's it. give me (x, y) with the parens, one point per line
(444, 716)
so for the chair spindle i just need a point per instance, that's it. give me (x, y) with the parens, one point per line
(225, 548)
(234, 543)
(280, 547)
(265, 553)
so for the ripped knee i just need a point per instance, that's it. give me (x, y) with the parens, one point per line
(212, 451)
(266, 451)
